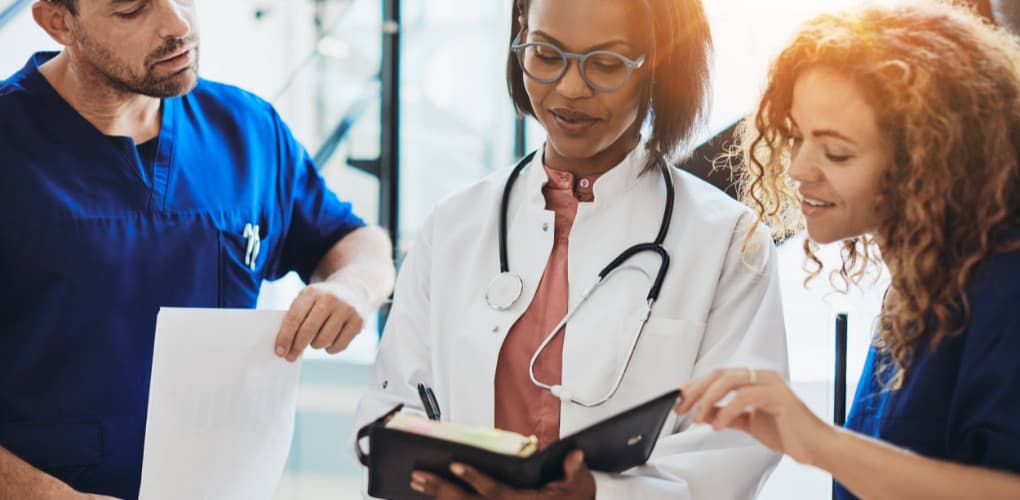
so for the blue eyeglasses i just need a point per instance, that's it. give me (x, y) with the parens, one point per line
(602, 70)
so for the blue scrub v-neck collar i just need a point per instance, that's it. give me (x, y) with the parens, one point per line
(156, 180)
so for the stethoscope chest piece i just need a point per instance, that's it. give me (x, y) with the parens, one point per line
(504, 290)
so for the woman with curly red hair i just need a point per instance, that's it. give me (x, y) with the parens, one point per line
(896, 130)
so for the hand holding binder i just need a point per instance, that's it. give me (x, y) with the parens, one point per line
(578, 483)
(613, 445)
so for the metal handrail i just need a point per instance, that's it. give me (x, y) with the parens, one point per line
(12, 10)
(325, 151)
(307, 60)
(347, 121)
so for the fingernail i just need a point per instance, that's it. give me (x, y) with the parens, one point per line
(280, 351)
(416, 486)
(457, 469)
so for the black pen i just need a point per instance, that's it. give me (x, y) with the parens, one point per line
(428, 400)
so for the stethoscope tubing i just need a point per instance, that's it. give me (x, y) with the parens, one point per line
(653, 293)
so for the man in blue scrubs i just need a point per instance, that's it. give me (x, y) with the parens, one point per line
(127, 184)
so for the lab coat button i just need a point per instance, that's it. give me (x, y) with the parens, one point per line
(545, 226)
(385, 383)
(495, 329)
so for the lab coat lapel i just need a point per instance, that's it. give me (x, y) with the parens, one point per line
(530, 230)
(529, 244)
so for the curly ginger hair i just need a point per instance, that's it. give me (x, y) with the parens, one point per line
(945, 88)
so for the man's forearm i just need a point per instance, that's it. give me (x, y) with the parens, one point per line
(362, 259)
(21, 481)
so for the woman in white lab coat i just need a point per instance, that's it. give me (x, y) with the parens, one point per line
(591, 72)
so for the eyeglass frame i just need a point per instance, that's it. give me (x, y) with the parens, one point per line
(518, 49)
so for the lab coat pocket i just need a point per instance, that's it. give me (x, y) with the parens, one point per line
(666, 352)
(242, 261)
(63, 449)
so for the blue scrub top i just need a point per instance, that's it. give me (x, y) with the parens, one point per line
(94, 241)
(960, 402)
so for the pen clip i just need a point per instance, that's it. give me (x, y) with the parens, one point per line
(428, 401)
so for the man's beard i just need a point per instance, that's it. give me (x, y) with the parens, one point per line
(120, 77)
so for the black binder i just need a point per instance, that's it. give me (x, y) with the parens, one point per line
(613, 445)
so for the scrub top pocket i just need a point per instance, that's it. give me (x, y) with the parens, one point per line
(244, 251)
(67, 449)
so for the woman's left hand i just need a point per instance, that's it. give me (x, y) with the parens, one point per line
(578, 484)
(763, 405)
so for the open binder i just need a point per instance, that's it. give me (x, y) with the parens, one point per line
(613, 445)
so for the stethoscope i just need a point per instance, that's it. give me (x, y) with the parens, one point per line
(506, 288)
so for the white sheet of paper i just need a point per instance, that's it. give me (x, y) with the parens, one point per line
(221, 406)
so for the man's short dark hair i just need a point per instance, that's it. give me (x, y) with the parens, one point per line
(70, 5)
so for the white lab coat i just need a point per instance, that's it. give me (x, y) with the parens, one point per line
(719, 307)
